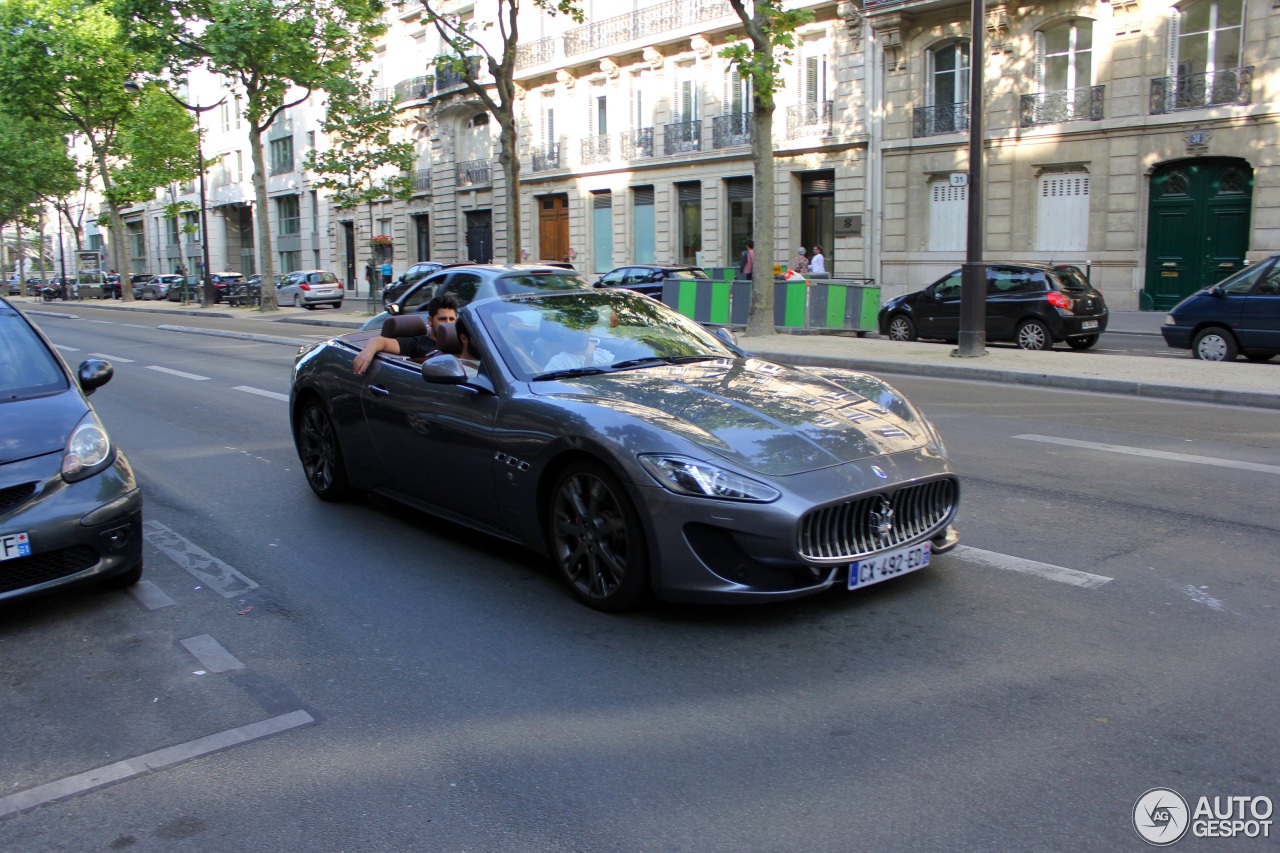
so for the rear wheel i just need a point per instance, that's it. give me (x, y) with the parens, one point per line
(321, 455)
(1215, 344)
(1082, 343)
(1034, 335)
(596, 539)
(902, 329)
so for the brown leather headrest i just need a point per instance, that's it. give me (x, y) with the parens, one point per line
(447, 340)
(404, 326)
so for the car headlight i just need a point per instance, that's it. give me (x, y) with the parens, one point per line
(88, 450)
(686, 476)
(1169, 320)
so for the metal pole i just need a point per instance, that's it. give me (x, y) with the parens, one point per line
(973, 282)
(204, 212)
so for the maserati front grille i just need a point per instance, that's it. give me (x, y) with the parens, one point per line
(876, 522)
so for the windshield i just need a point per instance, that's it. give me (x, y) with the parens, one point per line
(530, 282)
(27, 368)
(688, 275)
(1071, 278)
(604, 329)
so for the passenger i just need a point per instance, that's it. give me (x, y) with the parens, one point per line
(455, 341)
(579, 350)
(442, 309)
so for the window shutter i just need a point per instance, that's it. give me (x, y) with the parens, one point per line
(551, 126)
(811, 80)
(1040, 51)
(643, 195)
(738, 187)
(1175, 25)
(726, 107)
(928, 79)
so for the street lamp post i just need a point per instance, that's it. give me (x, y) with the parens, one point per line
(206, 284)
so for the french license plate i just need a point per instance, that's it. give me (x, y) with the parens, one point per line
(14, 545)
(890, 565)
(1089, 324)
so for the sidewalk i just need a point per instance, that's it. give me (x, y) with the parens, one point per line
(1236, 383)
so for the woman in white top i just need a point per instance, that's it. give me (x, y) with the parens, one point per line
(818, 263)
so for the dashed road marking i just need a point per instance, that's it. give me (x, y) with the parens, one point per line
(118, 358)
(151, 762)
(104, 322)
(211, 654)
(65, 348)
(149, 595)
(1156, 454)
(274, 395)
(1030, 567)
(173, 372)
(205, 567)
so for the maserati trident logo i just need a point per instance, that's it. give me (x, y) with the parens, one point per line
(882, 520)
(879, 472)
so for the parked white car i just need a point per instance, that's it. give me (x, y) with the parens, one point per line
(309, 288)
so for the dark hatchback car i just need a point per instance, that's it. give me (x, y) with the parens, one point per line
(1033, 305)
(648, 278)
(70, 507)
(408, 279)
(1238, 316)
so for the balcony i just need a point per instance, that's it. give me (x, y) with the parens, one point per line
(540, 52)
(731, 130)
(1232, 86)
(422, 181)
(448, 78)
(637, 144)
(473, 173)
(683, 137)
(935, 121)
(382, 95)
(414, 89)
(811, 119)
(597, 149)
(1061, 106)
(546, 157)
(643, 24)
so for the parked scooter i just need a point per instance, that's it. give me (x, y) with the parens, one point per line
(50, 292)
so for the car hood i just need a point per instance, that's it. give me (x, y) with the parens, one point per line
(39, 425)
(765, 417)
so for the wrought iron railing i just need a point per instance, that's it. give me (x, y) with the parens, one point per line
(597, 149)
(415, 88)
(643, 24)
(811, 119)
(447, 78)
(728, 131)
(681, 137)
(637, 144)
(422, 181)
(944, 118)
(473, 173)
(546, 157)
(1063, 105)
(538, 52)
(381, 95)
(1207, 89)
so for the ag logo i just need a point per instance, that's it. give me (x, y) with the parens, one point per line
(1161, 816)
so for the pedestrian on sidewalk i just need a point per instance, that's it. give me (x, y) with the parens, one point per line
(818, 261)
(747, 263)
(801, 263)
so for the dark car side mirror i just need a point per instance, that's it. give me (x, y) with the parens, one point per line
(394, 308)
(1217, 290)
(444, 370)
(94, 373)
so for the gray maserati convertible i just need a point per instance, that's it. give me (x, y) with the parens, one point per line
(643, 454)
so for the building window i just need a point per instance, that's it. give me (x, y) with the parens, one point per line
(282, 155)
(287, 215)
(290, 261)
(1062, 211)
(602, 227)
(315, 213)
(171, 230)
(239, 166)
(643, 225)
(1206, 37)
(1064, 56)
(946, 92)
(689, 197)
(948, 216)
(191, 225)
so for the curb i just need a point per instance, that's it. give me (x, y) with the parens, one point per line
(243, 336)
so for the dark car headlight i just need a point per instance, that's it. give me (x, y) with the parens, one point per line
(88, 450)
(686, 476)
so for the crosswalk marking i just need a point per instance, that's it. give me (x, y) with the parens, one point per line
(1155, 454)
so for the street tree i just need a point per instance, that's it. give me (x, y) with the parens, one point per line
(366, 160)
(769, 45)
(34, 165)
(274, 52)
(498, 97)
(65, 62)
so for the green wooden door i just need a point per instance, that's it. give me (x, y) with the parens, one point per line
(1198, 229)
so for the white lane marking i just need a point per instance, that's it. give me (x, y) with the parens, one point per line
(111, 357)
(136, 326)
(65, 349)
(104, 322)
(149, 595)
(211, 654)
(274, 395)
(1030, 567)
(151, 762)
(223, 579)
(173, 372)
(1156, 454)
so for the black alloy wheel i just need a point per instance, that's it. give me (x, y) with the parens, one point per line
(902, 329)
(1215, 344)
(1034, 335)
(321, 455)
(1086, 342)
(596, 539)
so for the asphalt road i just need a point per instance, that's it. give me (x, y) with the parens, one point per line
(364, 677)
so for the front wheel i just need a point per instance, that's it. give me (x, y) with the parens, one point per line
(1034, 335)
(902, 329)
(1082, 343)
(321, 455)
(1215, 344)
(596, 539)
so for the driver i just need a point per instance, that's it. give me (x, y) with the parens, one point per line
(442, 309)
(578, 349)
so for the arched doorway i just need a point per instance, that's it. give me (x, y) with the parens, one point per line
(1198, 228)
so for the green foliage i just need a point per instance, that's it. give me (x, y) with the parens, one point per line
(156, 146)
(33, 165)
(771, 40)
(363, 163)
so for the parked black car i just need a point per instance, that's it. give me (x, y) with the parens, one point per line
(1237, 316)
(1033, 305)
(111, 288)
(223, 282)
(408, 279)
(648, 278)
(70, 507)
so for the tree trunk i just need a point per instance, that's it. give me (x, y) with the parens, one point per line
(262, 222)
(760, 317)
(509, 159)
(116, 246)
(18, 271)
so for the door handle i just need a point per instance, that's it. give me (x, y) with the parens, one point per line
(1169, 264)
(379, 391)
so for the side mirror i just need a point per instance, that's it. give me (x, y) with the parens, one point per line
(393, 308)
(1217, 290)
(729, 339)
(444, 370)
(94, 373)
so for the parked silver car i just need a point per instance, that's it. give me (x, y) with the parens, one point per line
(309, 288)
